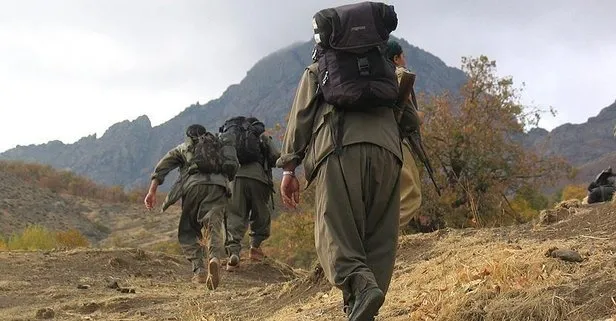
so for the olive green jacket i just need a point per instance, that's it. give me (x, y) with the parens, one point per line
(179, 157)
(308, 138)
(262, 172)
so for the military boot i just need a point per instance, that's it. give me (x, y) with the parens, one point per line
(213, 274)
(233, 263)
(256, 254)
(367, 305)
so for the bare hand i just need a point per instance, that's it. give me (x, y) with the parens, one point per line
(289, 188)
(421, 116)
(150, 200)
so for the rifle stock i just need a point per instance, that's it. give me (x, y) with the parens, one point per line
(407, 82)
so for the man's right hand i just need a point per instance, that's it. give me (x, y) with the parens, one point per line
(150, 200)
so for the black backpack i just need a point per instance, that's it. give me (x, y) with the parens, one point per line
(246, 136)
(353, 71)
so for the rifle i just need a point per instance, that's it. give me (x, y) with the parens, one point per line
(411, 131)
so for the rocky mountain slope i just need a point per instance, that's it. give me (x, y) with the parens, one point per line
(126, 153)
(579, 143)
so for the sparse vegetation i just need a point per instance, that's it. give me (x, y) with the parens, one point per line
(102, 227)
(37, 237)
(33, 237)
(67, 182)
(3, 245)
(574, 192)
(292, 239)
(168, 247)
(71, 239)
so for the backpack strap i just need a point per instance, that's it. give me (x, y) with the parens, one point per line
(336, 119)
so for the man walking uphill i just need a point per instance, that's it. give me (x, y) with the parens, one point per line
(252, 189)
(206, 163)
(342, 129)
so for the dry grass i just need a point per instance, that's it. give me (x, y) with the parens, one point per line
(471, 280)
(574, 192)
(71, 239)
(495, 274)
(33, 237)
(37, 237)
(167, 247)
(471, 274)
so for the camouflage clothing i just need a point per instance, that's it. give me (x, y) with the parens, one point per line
(204, 200)
(251, 200)
(357, 192)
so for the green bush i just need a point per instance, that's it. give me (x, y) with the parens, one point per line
(34, 237)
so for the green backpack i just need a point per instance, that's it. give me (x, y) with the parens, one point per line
(214, 155)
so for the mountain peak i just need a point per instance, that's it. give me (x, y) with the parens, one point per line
(128, 150)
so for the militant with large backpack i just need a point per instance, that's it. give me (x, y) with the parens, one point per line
(353, 71)
(246, 135)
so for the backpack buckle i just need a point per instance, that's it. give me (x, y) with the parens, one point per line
(364, 66)
(325, 77)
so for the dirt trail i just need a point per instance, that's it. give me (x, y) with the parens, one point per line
(489, 274)
(79, 285)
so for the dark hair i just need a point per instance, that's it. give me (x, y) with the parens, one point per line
(194, 131)
(393, 49)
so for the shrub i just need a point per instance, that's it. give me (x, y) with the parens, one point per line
(574, 192)
(292, 239)
(477, 172)
(71, 239)
(33, 237)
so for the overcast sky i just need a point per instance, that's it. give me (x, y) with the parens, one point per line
(69, 68)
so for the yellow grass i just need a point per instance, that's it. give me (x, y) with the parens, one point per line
(71, 239)
(34, 237)
(37, 237)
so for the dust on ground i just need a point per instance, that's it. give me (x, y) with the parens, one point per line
(507, 273)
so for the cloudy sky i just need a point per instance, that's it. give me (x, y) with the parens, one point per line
(69, 68)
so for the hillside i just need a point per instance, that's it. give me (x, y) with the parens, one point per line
(22, 204)
(487, 274)
(126, 153)
(103, 222)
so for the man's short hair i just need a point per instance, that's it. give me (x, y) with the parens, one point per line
(194, 131)
(393, 49)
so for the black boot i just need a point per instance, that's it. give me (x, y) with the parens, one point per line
(367, 305)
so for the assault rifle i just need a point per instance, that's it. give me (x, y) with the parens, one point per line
(409, 122)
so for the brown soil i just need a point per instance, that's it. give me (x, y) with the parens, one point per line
(79, 284)
(488, 274)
